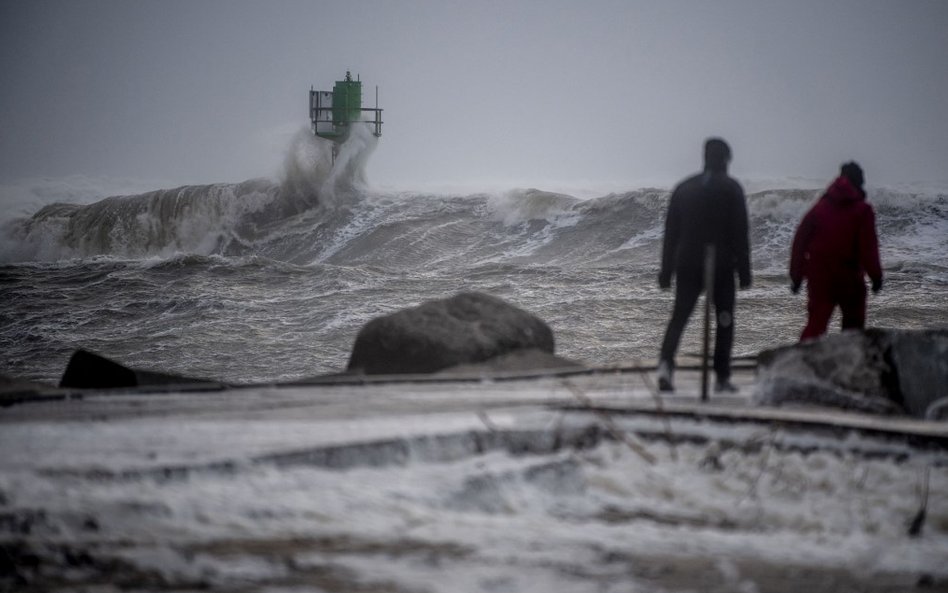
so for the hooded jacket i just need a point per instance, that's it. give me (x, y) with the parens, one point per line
(707, 208)
(837, 238)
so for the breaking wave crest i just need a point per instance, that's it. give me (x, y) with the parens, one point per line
(224, 218)
(325, 212)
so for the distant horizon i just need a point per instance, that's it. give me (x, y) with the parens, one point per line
(485, 183)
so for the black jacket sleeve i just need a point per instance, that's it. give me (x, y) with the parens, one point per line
(742, 239)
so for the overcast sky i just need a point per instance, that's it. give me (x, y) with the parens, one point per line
(527, 92)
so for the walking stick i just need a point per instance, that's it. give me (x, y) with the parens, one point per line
(708, 301)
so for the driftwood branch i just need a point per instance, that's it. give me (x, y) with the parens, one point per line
(918, 522)
(616, 432)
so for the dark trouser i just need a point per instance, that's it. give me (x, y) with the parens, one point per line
(848, 290)
(689, 284)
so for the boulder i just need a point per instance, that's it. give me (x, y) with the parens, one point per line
(88, 370)
(467, 328)
(919, 361)
(877, 371)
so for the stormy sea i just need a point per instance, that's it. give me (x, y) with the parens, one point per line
(270, 280)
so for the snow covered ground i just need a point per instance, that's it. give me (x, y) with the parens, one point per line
(559, 484)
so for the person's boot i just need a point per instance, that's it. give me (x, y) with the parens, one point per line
(664, 375)
(724, 386)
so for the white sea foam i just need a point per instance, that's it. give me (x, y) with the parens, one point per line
(25, 197)
(84, 217)
(521, 205)
(413, 499)
(646, 237)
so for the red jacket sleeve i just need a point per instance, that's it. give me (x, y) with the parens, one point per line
(869, 245)
(742, 241)
(801, 243)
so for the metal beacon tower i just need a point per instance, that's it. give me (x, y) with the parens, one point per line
(333, 113)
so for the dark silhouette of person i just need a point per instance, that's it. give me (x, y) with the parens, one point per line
(706, 209)
(834, 248)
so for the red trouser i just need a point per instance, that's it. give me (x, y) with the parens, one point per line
(824, 292)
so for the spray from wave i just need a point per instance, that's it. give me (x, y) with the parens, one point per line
(224, 219)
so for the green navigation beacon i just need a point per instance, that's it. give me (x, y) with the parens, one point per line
(333, 113)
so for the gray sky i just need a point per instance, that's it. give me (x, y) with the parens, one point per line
(524, 92)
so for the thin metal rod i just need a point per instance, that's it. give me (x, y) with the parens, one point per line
(708, 303)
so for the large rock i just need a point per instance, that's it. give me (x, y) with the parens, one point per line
(467, 328)
(919, 361)
(877, 370)
(88, 370)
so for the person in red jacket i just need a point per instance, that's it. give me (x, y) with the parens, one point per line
(834, 248)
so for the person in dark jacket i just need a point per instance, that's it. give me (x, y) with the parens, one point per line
(834, 248)
(707, 209)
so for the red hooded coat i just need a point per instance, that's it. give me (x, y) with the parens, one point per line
(837, 236)
(834, 248)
